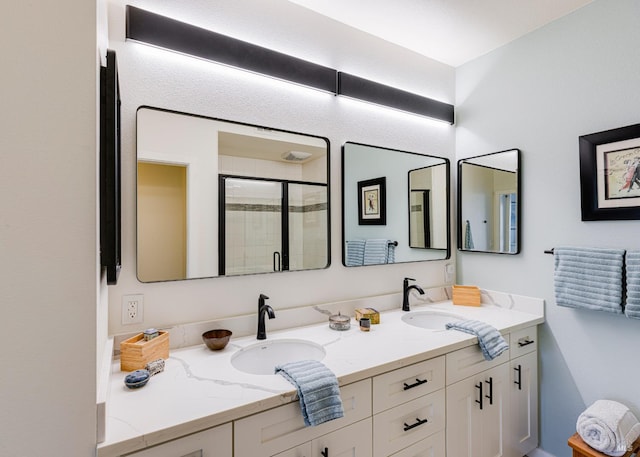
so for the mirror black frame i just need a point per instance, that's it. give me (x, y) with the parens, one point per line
(460, 234)
(445, 161)
(243, 124)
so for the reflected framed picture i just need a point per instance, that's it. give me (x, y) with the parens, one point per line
(610, 174)
(372, 202)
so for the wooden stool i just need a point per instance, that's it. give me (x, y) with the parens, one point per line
(582, 449)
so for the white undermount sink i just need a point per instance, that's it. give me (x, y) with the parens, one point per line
(431, 320)
(262, 357)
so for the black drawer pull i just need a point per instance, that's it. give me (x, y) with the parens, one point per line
(415, 384)
(479, 386)
(525, 342)
(418, 423)
(519, 381)
(325, 453)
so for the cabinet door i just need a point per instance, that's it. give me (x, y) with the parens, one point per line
(523, 391)
(215, 442)
(351, 441)
(476, 414)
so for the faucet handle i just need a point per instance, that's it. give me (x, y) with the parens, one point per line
(409, 279)
(263, 297)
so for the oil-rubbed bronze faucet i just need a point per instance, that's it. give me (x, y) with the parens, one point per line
(262, 309)
(406, 288)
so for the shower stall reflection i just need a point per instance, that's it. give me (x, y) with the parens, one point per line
(271, 225)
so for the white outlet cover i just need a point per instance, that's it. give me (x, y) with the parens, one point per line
(139, 300)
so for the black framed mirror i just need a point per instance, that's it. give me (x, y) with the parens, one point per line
(222, 198)
(395, 206)
(489, 201)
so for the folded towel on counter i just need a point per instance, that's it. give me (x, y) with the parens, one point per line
(608, 427)
(632, 266)
(589, 278)
(317, 388)
(376, 251)
(355, 253)
(490, 340)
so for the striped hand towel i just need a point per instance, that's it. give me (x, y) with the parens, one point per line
(317, 388)
(376, 251)
(632, 305)
(490, 340)
(589, 278)
(355, 253)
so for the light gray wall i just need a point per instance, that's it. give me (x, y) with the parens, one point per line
(167, 80)
(49, 286)
(576, 76)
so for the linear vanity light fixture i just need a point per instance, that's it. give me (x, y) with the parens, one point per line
(362, 89)
(164, 32)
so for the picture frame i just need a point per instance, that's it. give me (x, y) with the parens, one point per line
(372, 202)
(610, 174)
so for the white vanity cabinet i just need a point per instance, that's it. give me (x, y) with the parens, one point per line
(214, 442)
(281, 431)
(492, 406)
(523, 393)
(409, 408)
(477, 409)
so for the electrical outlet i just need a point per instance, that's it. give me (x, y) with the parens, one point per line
(132, 308)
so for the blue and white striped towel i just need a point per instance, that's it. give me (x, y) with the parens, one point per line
(589, 278)
(376, 251)
(317, 388)
(355, 253)
(490, 340)
(632, 305)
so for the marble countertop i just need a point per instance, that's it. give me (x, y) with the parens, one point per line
(199, 388)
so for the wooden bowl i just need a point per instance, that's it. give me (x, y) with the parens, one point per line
(216, 339)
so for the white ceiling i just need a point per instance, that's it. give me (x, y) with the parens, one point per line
(449, 31)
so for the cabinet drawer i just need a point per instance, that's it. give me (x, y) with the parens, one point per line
(281, 428)
(406, 424)
(469, 361)
(405, 384)
(208, 443)
(433, 446)
(524, 341)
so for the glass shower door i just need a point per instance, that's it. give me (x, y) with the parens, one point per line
(252, 230)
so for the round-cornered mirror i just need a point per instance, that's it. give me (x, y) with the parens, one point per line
(395, 206)
(489, 203)
(221, 198)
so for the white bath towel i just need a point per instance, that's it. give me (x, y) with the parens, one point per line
(608, 427)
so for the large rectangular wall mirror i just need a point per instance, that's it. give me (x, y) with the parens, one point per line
(395, 206)
(489, 203)
(221, 198)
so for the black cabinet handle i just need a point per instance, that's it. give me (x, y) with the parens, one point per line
(490, 396)
(525, 342)
(325, 453)
(415, 384)
(418, 423)
(479, 386)
(519, 378)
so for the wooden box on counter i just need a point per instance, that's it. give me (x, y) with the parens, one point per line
(466, 295)
(135, 352)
